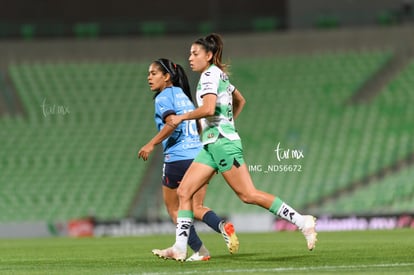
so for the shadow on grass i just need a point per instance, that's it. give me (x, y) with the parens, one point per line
(258, 257)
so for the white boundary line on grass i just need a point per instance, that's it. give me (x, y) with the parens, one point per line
(279, 269)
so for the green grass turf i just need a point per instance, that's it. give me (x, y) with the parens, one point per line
(358, 252)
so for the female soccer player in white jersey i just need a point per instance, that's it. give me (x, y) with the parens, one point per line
(219, 102)
(181, 144)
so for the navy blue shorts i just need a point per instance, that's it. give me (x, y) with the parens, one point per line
(173, 172)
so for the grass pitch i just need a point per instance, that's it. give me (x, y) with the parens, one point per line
(357, 252)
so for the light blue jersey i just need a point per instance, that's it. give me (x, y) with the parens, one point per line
(184, 143)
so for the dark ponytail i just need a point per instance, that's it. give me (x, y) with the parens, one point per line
(177, 74)
(214, 44)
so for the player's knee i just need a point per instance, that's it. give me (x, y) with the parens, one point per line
(183, 193)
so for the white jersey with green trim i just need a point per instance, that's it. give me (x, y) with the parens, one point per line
(215, 81)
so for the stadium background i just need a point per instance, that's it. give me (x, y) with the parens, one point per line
(333, 81)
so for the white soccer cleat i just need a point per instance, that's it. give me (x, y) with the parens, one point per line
(309, 231)
(230, 237)
(170, 253)
(197, 257)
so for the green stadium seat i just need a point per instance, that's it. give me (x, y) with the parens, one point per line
(86, 30)
(153, 28)
(28, 31)
(265, 24)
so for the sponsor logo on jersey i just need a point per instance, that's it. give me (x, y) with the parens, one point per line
(224, 77)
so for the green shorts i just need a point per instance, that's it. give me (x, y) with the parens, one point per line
(222, 154)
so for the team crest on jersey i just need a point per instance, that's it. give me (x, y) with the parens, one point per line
(211, 135)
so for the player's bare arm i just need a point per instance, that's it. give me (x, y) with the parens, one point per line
(207, 109)
(165, 132)
(238, 103)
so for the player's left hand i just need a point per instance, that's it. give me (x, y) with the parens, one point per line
(145, 151)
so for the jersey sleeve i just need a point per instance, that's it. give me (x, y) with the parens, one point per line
(209, 82)
(164, 105)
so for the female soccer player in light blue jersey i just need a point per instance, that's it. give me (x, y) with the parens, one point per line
(219, 103)
(181, 143)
